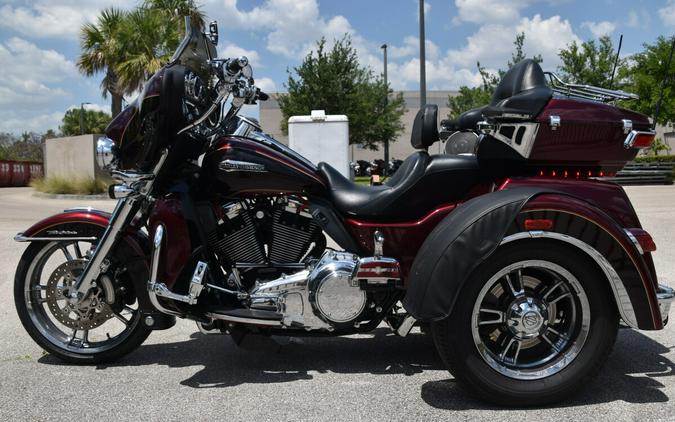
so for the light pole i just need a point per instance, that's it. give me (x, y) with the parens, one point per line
(423, 73)
(386, 100)
(82, 118)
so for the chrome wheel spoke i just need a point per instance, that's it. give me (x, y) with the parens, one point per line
(517, 287)
(562, 296)
(557, 333)
(552, 289)
(66, 252)
(546, 339)
(78, 251)
(513, 341)
(501, 317)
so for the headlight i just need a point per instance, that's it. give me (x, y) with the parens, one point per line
(104, 152)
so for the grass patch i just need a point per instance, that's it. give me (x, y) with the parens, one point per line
(71, 185)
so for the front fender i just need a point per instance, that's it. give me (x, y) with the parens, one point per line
(89, 224)
(468, 236)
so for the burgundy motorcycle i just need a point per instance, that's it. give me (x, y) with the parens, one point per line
(515, 257)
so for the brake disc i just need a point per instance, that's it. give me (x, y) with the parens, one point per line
(89, 313)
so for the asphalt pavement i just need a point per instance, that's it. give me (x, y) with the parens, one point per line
(181, 374)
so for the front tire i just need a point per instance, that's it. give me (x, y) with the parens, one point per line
(98, 333)
(531, 325)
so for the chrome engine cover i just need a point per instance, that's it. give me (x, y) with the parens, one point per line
(317, 298)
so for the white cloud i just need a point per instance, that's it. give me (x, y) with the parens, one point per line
(38, 123)
(411, 47)
(232, 50)
(489, 11)
(667, 13)
(30, 74)
(598, 29)
(44, 19)
(638, 19)
(266, 84)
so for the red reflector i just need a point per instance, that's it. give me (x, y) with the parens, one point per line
(643, 141)
(643, 239)
(538, 224)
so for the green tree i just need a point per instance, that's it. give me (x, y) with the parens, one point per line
(102, 51)
(589, 63)
(128, 47)
(151, 33)
(94, 122)
(643, 75)
(334, 81)
(474, 97)
(28, 147)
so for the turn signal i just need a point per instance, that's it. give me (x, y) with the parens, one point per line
(543, 224)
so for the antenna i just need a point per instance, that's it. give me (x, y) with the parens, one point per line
(663, 83)
(616, 61)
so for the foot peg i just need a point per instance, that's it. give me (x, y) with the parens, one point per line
(196, 286)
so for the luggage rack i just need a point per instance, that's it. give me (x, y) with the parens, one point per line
(587, 92)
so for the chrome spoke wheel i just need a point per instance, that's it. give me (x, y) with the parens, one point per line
(530, 320)
(90, 326)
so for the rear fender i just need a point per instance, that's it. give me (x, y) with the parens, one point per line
(470, 234)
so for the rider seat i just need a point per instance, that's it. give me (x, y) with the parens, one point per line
(422, 183)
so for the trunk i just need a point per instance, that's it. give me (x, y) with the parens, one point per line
(116, 106)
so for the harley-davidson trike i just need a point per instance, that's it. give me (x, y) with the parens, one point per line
(517, 260)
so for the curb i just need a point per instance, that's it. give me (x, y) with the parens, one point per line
(100, 196)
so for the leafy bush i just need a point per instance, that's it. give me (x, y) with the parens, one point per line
(73, 186)
(655, 158)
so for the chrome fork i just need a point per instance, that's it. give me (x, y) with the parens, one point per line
(139, 186)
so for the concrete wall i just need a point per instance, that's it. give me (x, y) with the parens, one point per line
(400, 148)
(72, 156)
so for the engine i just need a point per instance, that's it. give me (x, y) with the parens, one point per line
(258, 236)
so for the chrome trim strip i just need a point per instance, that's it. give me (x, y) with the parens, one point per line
(21, 238)
(87, 209)
(156, 252)
(266, 322)
(633, 239)
(620, 294)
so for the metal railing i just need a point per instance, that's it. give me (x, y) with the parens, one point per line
(587, 92)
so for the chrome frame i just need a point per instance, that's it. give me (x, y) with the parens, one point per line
(620, 294)
(665, 296)
(587, 92)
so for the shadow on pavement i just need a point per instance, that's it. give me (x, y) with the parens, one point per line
(631, 374)
(226, 365)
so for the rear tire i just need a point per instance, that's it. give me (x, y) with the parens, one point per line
(503, 358)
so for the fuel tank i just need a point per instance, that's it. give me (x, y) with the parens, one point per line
(261, 166)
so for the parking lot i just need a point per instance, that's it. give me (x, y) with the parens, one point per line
(180, 374)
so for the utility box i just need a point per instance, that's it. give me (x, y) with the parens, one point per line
(321, 138)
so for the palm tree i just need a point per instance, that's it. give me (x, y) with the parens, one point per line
(102, 51)
(151, 34)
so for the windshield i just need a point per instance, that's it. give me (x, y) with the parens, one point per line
(195, 50)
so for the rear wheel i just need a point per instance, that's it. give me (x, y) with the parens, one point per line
(97, 329)
(531, 325)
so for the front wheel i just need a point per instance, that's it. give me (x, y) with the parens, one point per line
(95, 330)
(531, 325)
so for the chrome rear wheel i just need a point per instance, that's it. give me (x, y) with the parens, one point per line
(530, 320)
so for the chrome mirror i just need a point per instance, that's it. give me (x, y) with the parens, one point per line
(104, 155)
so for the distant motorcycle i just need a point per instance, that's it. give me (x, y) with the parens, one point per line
(519, 261)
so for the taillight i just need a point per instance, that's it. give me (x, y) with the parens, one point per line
(642, 240)
(639, 139)
(541, 224)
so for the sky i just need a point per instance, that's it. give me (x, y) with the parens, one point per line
(39, 43)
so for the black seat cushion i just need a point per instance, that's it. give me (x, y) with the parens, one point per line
(422, 183)
(425, 127)
(522, 92)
